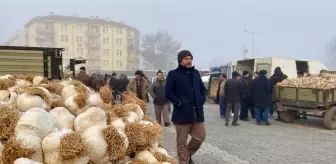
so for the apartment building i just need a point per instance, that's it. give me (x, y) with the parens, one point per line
(18, 39)
(107, 45)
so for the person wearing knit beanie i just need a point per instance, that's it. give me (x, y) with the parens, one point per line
(185, 58)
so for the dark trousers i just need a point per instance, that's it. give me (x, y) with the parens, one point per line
(235, 106)
(244, 109)
(221, 100)
(272, 108)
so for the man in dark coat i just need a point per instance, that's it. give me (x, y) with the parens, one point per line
(160, 101)
(185, 89)
(114, 82)
(260, 92)
(246, 97)
(277, 77)
(233, 90)
(83, 77)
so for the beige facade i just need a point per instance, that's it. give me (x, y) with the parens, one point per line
(107, 45)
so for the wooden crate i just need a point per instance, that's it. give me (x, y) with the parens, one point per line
(214, 86)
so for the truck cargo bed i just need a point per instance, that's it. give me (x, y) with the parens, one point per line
(304, 97)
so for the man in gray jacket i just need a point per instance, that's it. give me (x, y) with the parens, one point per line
(160, 101)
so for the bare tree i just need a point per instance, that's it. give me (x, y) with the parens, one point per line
(159, 50)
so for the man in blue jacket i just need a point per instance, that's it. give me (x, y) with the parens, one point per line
(185, 89)
(262, 98)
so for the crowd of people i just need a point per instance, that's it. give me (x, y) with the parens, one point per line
(247, 93)
(184, 89)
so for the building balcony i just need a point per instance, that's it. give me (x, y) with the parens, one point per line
(93, 57)
(92, 33)
(46, 31)
(95, 45)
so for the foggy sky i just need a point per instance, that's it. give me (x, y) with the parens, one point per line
(213, 30)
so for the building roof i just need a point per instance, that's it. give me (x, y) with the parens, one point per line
(91, 20)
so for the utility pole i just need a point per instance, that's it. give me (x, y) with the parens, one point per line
(252, 34)
(245, 51)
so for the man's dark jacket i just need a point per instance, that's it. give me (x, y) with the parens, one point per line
(260, 92)
(185, 89)
(245, 88)
(157, 91)
(277, 77)
(233, 90)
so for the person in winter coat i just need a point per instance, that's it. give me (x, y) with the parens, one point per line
(83, 77)
(139, 86)
(186, 91)
(233, 90)
(159, 99)
(114, 84)
(221, 96)
(98, 82)
(123, 82)
(277, 77)
(262, 98)
(246, 97)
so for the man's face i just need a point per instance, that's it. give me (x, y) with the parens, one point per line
(239, 77)
(255, 75)
(114, 76)
(299, 75)
(160, 76)
(138, 77)
(187, 61)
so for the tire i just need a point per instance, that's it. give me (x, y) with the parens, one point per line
(330, 118)
(287, 116)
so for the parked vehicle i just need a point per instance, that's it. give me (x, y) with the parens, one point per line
(288, 66)
(292, 102)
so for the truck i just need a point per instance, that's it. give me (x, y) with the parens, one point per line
(39, 61)
(211, 79)
(290, 67)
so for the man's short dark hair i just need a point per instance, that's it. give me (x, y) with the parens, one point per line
(159, 71)
(300, 73)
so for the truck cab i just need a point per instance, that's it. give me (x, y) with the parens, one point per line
(290, 67)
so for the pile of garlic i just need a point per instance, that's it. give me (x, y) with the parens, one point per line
(66, 122)
(321, 81)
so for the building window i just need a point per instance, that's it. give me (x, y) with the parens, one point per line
(105, 29)
(46, 27)
(106, 63)
(106, 52)
(118, 41)
(119, 53)
(105, 41)
(78, 28)
(64, 27)
(119, 64)
(80, 51)
(64, 38)
(119, 30)
(79, 39)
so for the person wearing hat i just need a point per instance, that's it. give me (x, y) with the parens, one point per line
(185, 89)
(233, 90)
(114, 83)
(139, 86)
(276, 78)
(262, 98)
(246, 97)
(84, 77)
(160, 101)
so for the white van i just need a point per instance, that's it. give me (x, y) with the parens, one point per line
(290, 67)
